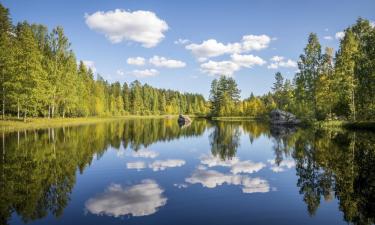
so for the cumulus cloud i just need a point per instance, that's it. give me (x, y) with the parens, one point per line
(247, 60)
(235, 164)
(181, 41)
(280, 61)
(226, 68)
(164, 62)
(328, 38)
(136, 165)
(212, 48)
(90, 64)
(120, 25)
(339, 35)
(139, 200)
(285, 164)
(229, 67)
(209, 48)
(137, 61)
(163, 164)
(255, 42)
(144, 153)
(144, 73)
(213, 178)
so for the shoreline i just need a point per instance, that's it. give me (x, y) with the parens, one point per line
(13, 124)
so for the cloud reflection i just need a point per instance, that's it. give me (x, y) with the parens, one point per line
(136, 165)
(163, 164)
(212, 178)
(285, 164)
(236, 165)
(145, 153)
(138, 200)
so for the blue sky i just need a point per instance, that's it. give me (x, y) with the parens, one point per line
(237, 38)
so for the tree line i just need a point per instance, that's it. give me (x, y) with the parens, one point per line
(333, 87)
(39, 77)
(325, 87)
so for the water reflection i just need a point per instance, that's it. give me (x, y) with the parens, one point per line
(38, 168)
(211, 178)
(139, 200)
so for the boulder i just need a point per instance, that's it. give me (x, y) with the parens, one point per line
(183, 120)
(279, 117)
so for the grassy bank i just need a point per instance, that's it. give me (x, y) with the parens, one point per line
(361, 125)
(13, 124)
(234, 118)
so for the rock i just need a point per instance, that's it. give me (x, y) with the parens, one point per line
(279, 117)
(183, 120)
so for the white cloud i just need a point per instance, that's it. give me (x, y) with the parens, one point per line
(280, 61)
(285, 164)
(255, 42)
(144, 73)
(137, 61)
(213, 178)
(247, 60)
(136, 165)
(139, 200)
(339, 35)
(121, 25)
(212, 48)
(328, 38)
(226, 68)
(163, 164)
(372, 24)
(164, 62)
(90, 64)
(181, 41)
(144, 153)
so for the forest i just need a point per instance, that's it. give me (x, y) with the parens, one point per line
(327, 86)
(40, 77)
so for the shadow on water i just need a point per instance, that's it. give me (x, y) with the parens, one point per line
(38, 168)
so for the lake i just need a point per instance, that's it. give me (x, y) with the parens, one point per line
(151, 171)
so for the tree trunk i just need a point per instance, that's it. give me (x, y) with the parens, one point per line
(24, 116)
(18, 109)
(353, 106)
(3, 104)
(49, 111)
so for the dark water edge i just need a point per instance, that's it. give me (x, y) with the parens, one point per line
(218, 171)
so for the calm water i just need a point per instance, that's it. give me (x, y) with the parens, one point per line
(151, 171)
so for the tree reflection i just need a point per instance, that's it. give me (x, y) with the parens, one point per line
(340, 163)
(225, 139)
(38, 167)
